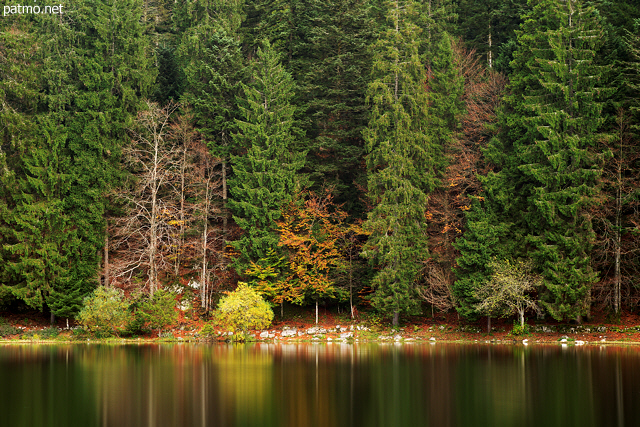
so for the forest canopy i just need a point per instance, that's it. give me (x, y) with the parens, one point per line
(393, 154)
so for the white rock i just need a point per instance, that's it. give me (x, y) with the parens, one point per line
(289, 332)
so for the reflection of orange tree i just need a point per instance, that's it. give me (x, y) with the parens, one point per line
(310, 231)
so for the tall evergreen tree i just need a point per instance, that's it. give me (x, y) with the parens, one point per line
(548, 166)
(41, 236)
(333, 84)
(401, 163)
(266, 178)
(97, 96)
(210, 54)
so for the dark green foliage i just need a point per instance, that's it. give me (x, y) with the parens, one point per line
(40, 239)
(547, 147)
(401, 163)
(105, 312)
(266, 177)
(169, 83)
(159, 311)
(332, 76)
(445, 87)
(487, 236)
(489, 27)
(213, 74)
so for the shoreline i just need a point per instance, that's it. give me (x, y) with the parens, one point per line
(294, 336)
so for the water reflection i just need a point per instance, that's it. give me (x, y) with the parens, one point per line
(319, 385)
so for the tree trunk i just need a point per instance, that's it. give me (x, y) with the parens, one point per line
(396, 316)
(490, 54)
(224, 200)
(153, 226)
(617, 297)
(488, 324)
(183, 167)
(204, 300)
(522, 319)
(107, 279)
(53, 319)
(351, 286)
(316, 312)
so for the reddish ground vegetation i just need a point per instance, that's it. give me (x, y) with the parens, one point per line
(443, 326)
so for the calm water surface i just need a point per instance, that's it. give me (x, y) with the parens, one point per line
(319, 385)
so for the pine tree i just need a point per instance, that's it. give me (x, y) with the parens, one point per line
(109, 72)
(266, 177)
(401, 163)
(41, 237)
(212, 63)
(332, 82)
(549, 166)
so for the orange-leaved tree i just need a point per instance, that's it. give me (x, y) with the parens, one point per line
(311, 231)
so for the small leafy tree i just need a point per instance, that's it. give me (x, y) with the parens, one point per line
(508, 291)
(267, 278)
(244, 309)
(158, 311)
(311, 232)
(105, 312)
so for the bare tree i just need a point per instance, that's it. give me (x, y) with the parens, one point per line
(616, 219)
(144, 234)
(436, 290)
(208, 191)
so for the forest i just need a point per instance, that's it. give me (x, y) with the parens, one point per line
(402, 156)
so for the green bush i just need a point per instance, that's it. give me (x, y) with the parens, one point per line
(105, 312)
(519, 329)
(243, 309)
(7, 329)
(41, 334)
(159, 312)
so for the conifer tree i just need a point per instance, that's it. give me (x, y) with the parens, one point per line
(332, 80)
(266, 177)
(548, 166)
(401, 163)
(210, 55)
(102, 80)
(41, 238)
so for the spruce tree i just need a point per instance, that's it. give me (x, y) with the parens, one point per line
(400, 161)
(548, 165)
(266, 177)
(333, 83)
(213, 67)
(102, 79)
(40, 237)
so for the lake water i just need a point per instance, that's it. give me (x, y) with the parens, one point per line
(319, 385)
